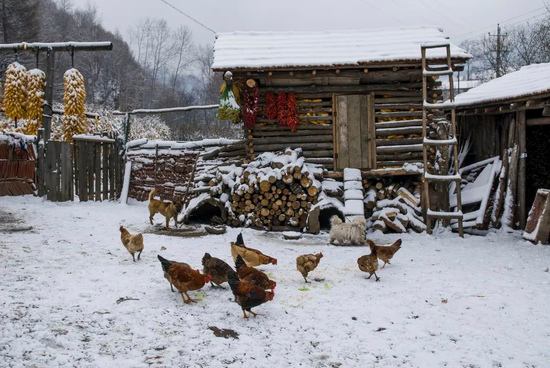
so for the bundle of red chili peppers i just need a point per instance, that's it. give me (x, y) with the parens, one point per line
(270, 106)
(281, 108)
(292, 112)
(250, 111)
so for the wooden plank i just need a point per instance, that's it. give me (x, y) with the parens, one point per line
(397, 162)
(322, 153)
(371, 122)
(282, 146)
(300, 118)
(363, 134)
(510, 201)
(295, 139)
(75, 169)
(364, 88)
(353, 104)
(270, 128)
(398, 131)
(538, 121)
(111, 172)
(118, 169)
(97, 170)
(402, 156)
(408, 148)
(90, 169)
(105, 170)
(400, 114)
(522, 206)
(51, 167)
(538, 225)
(287, 133)
(66, 172)
(82, 174)
(398, 141)
(342, 132)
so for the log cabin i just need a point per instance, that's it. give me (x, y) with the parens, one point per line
(358, 93)
(507, 112)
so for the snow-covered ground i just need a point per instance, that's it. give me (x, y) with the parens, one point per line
(444, 301)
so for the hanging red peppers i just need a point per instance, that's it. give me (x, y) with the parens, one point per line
(250, 105)
(281, 108)
(292, 112)
(270, 106)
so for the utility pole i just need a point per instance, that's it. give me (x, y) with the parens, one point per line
(499, 50)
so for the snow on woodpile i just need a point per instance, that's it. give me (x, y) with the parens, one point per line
(276, 192)
(167, 165)
(529, 80)
(393, 205)
(257, 50)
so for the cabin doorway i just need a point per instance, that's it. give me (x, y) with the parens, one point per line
(354, 133)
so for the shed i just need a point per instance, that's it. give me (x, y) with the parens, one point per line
(358, 92)
(513, 110)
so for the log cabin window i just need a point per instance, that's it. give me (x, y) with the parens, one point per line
(354, 134)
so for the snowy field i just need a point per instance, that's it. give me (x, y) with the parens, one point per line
(444, 301)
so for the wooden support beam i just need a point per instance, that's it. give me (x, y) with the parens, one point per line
(522, 206)
(538, 121)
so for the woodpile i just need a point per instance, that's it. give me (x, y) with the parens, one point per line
(276, 191)
(170, 181)
(17, 165)
(393, 205)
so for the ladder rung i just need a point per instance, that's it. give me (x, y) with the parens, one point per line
(450, 215)
(440, 142)
(431, 177)
(434, 45)
(428, 73)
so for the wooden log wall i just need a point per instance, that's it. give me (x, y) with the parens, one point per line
(398, 109)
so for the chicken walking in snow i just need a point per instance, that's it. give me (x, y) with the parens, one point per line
(253, 275)
(307, 263)
(216, 268)
(252, 257)
(184, 278)
(369, 264)
(385, 253)
(132, 243)
(248, 295)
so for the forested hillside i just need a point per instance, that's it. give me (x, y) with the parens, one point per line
(163, 68)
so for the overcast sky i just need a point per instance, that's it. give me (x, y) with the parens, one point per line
(457, 18)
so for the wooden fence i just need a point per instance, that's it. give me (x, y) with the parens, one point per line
(98, 168)
(59, 171)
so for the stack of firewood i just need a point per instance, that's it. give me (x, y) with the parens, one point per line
(393, 206)
(274, 191)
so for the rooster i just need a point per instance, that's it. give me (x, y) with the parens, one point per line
(252, 257)
(217, 268)
(369, 264)
(253, 275)
(307, 263)
(184, 278)
(248, 295)
(132, 243)
(385, 253)
(167, 277)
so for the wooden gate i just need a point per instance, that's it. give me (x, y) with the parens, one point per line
(98, 168)
(59, 171)
(355, 136)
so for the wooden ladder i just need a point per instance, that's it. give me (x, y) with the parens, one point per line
(430, 70)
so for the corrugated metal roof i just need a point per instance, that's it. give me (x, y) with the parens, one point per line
(263, 50)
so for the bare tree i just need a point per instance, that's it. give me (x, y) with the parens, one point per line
(183, 49)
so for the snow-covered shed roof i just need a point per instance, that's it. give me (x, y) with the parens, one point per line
(529, 81)
(263, 50)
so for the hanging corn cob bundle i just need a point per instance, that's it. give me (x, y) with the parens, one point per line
(229, 101)
(74, 100)
(15, 93)
(35, 89)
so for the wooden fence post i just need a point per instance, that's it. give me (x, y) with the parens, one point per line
(522, 206)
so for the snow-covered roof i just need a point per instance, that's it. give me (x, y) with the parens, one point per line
(464, 84)
(528, 81)
(262, 50)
